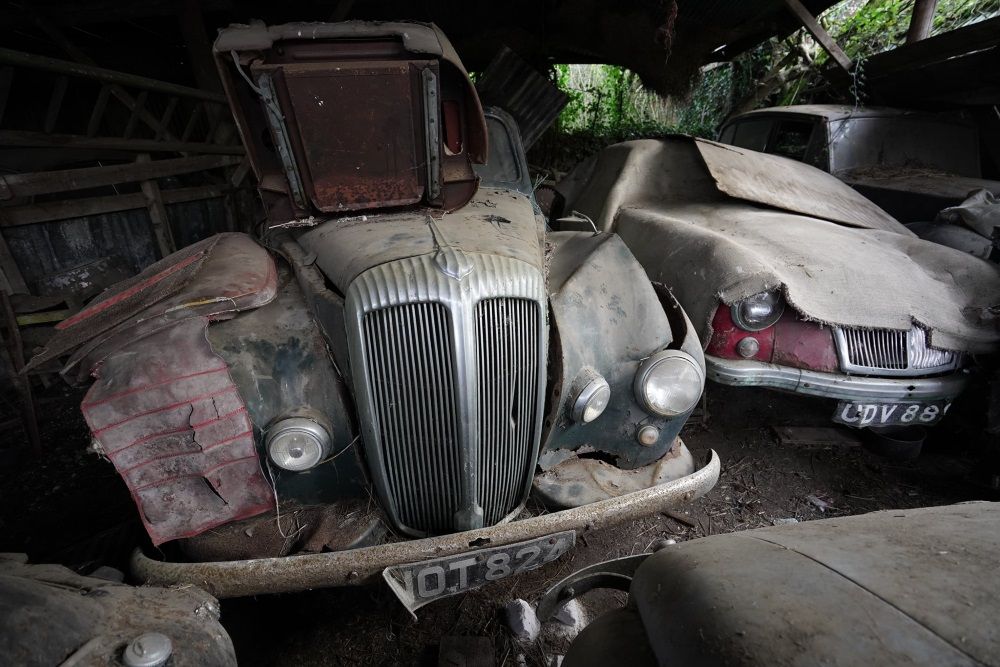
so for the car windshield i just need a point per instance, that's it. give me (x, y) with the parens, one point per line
(502, 169)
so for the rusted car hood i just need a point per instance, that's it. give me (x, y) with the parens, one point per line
(718, 224)
(496, 222)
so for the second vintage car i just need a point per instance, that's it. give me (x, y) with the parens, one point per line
(375, 393)
(795, 281)
(910, 163)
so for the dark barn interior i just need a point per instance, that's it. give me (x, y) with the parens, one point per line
(118, 148)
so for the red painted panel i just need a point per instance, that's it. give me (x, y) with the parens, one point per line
(802, 344)
(790, 342)
(726, 335)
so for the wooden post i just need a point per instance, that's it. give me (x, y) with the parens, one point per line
(828, 43)
(15, 348)
(11, 279)
(157, 213)
(921, 20)
(199, 46)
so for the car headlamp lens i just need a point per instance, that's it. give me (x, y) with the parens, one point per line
(758, 311)
(297, 444)
(669, 383)
(591, 401)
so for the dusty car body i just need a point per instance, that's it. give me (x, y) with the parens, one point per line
(911, 587)
(795, 281)
(912, 164)
(379, 395)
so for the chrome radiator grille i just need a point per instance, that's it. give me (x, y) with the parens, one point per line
(891, 352)
(507, 350)
(883, 349)
(411, 362)
(448, 376)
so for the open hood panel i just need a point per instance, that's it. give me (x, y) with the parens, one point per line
(355, 116)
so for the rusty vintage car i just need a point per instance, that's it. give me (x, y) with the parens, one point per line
(795, 281)
(910, 163)
(375, 387)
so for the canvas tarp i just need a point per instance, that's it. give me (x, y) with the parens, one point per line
(719, 224)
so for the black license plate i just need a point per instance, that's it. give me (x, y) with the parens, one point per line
(913, 413)
(416, 584)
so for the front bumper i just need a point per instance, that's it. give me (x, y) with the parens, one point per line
(364, 565)
(842, 387)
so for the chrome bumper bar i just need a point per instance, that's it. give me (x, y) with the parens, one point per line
(364, 565)
(833, 385)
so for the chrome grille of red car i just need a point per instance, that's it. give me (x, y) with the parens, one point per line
(891, 352)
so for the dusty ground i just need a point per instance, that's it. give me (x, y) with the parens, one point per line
(60, 502)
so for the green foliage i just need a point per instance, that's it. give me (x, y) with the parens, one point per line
(608, 103)
(864, 28)
(606, 100)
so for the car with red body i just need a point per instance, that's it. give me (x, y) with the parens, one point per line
(794, 280)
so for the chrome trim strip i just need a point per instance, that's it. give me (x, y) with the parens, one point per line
(361, 566)
(833, 385)
(422, 280)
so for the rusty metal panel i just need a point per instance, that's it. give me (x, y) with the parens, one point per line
(357, 125)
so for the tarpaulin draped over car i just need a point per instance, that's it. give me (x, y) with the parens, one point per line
(705, 220)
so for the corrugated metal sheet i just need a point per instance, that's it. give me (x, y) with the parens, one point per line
(126, 237)
(516, 87)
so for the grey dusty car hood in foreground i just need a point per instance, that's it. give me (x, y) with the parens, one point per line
(715, 222)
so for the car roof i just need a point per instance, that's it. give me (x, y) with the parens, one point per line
(829, 111)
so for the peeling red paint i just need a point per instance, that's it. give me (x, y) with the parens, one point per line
(790, 342)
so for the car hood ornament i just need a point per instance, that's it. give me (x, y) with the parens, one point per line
(450, 260)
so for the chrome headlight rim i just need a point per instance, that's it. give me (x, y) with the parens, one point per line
(646, 369)
(736, 311)
(594, 387)
(289, 426)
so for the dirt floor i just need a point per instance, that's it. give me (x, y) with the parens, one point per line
(70, 507)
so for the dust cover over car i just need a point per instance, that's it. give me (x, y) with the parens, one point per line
(794, 280)
(378, 385)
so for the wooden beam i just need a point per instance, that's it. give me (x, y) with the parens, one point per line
(15, 348)
(57, 36)
(55, 102)
(11, 279)
(199, 46)
(6, 79)
(157, 212)
(30, 214)
(44, 63)
(47, 182)
(76, 141)
(97, 114)
(939, 48)
(820, 34)
(921, 20)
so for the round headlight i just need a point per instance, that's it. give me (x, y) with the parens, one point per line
(758, 311)
(669, 383)
(590, 402)
(297, 444)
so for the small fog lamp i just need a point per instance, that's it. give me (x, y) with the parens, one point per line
(590, 401)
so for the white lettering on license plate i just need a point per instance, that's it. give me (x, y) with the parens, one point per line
(416, 584)
(879, 414)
